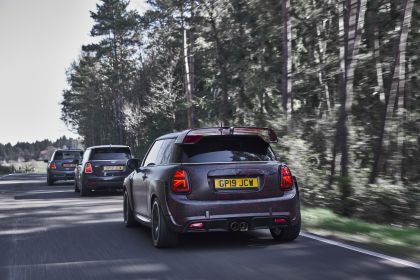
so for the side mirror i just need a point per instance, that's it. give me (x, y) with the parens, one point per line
(46, 160)
(133, 164)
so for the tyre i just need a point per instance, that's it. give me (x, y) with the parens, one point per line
(84, 191)
(162, 236)
(50, 181)
(286, 234)
(129, 219)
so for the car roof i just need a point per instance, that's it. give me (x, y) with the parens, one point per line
(108, 146)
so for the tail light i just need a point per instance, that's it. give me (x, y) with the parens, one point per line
(192, 139)
(88, 168)
(53, 165)
(196, 225)
(286, 178)
(280, 221)
(180, 182)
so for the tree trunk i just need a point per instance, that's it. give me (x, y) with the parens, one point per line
(379, 74)
(187, 79)
(351, 22)
(191, 60)
(394, 101)
(321, 30)
(287, 60)
(401, 112)
(187, 74)
(221, 62)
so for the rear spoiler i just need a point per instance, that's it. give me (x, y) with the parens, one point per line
(194, 135)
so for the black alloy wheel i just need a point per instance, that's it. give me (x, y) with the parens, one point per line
(129, 219)
(162, 236)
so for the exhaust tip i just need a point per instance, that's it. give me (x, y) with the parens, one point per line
(243, 226)
(234, 226)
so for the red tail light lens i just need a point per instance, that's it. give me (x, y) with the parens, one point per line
(280, 221)
(286, 178)
(53, 166)
(88, 168)
(197, 225)
(180, 182)
(192, 139)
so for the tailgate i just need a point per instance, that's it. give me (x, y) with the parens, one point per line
(65, 165)
(103, 168)
(232, 181)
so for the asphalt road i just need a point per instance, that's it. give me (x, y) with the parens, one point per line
(52, 233)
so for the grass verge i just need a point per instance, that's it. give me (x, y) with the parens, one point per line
(397, 241)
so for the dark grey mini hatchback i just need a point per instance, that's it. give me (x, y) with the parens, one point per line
(62, 164)
(103, 168)
(225, 178)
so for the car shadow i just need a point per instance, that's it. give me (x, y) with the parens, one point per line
(217, 240)
(104, 193)
(49, 195)
(63, 183)
(64, 195)
(224, 239)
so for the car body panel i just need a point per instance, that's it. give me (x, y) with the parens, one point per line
(101, 179)
(64, 166)
(215, 208)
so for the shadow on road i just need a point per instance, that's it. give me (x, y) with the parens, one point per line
(218, 240)
(64, 194)
(224, 240)
(50, 232)
(63, 183)
(49, 195)
(23, 176)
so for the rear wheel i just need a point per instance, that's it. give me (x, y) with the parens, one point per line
(84, 191)
(286, 234)
(129, 219)
(162, 236)
(50, 181)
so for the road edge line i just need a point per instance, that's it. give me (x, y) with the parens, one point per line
(362, 251)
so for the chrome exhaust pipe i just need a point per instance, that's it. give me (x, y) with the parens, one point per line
(234, 226)
(243, 226)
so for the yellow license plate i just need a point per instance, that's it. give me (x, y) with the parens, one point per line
(237, 183)
(114, 168)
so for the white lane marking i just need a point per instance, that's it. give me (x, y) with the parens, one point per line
(87, 262)
(363, 251)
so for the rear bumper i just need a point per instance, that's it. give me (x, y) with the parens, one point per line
(110, 183)
(61, 174)
(218, 215)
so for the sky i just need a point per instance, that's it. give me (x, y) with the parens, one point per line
(39, 39)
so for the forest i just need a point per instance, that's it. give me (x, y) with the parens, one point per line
(38, 150)
(336, 79)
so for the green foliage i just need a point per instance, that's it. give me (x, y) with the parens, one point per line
(39, 150)
(393, 239)
(6, 169)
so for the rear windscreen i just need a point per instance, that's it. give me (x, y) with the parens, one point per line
(227, 149)
(63, 155)
(110, 154)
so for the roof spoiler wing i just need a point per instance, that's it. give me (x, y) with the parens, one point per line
(194, 135)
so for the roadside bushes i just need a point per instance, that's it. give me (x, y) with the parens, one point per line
(384, 202)
(388, 204)
(6, 169)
